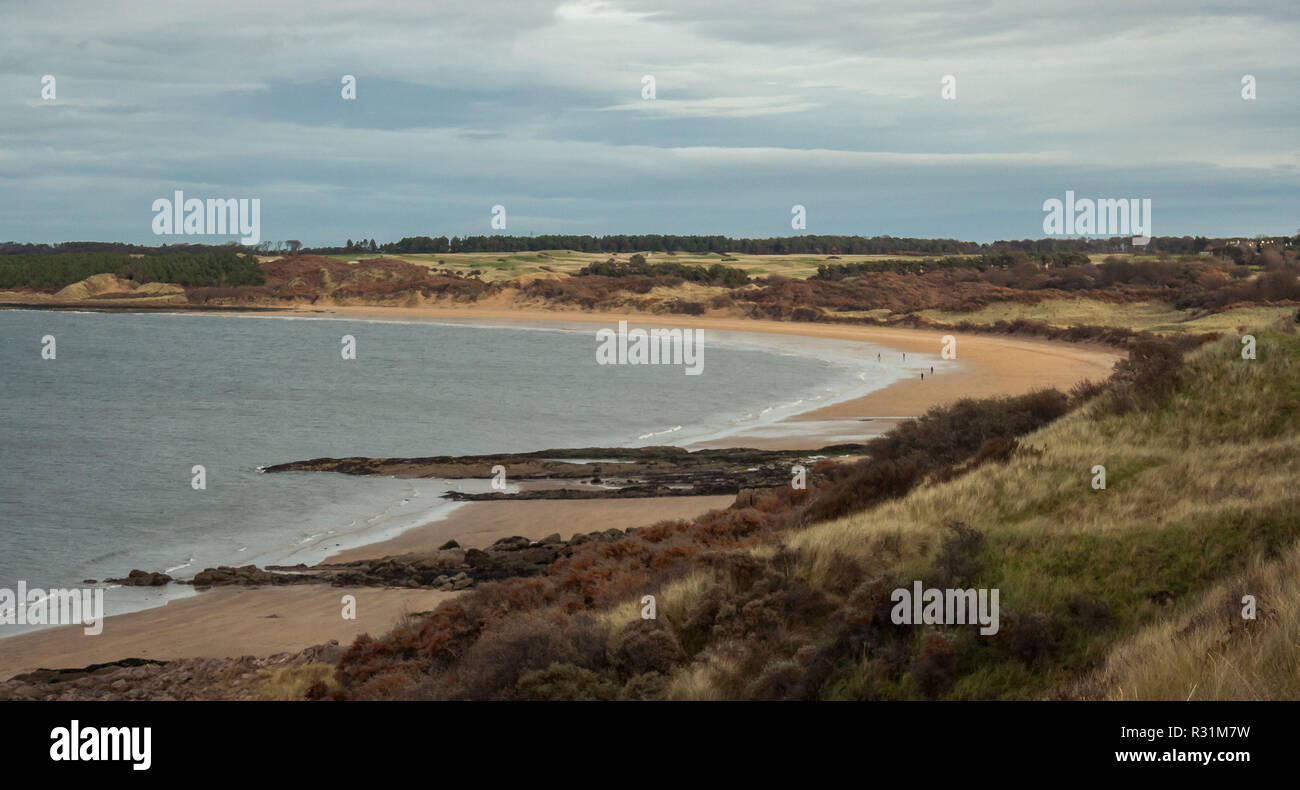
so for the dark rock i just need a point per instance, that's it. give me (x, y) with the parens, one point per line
(248, 574)
(138, 578)
(327, 653)
(451, 544)
(641, 471)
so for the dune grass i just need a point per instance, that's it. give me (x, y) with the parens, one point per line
(505, 266)
(1122, 593)
(1139, 316)
(291, 683)
(1209, 650)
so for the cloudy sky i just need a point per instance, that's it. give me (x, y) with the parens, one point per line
(537, 106)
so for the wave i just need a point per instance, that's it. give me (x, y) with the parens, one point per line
(674, 429)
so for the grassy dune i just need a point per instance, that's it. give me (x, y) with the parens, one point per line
(1138, 316)
(1129, 592)
(506, 266)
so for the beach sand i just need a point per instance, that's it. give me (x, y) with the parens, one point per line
(235, 622)
(226, 622)
(479, 524)
(263, 621)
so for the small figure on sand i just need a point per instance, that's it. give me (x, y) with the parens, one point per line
(922, 377)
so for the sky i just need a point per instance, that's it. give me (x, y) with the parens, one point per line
(540, 107)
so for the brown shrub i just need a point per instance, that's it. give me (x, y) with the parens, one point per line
(781, 680)
(645, 646)
(1030, 638)
(1147, 378)
(565, 682)
(935, 668)
(494, 664)
(649, 686)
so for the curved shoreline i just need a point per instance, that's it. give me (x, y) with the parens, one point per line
(290, 619)
(988, 365)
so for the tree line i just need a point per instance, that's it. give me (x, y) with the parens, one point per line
(983, 263)
(717, 274)
(797, 245)
(204, 266)
(1239, 249)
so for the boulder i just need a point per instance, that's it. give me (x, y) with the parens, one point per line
(139, 578)
(248, 574)
(512, 544)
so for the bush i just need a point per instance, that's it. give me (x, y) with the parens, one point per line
(565, 682)
(1148, 377)
(935, 668)
(648, 686)
(494, 665)
(781, 680)
(645, 646)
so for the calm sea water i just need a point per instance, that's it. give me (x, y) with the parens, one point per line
(98, 444)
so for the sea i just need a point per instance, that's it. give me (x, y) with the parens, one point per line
(102, 444)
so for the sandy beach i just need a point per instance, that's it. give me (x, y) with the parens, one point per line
(226, 622)
(479, 524)
(235, 622)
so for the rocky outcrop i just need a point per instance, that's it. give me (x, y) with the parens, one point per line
(596, 472)
(138, 578)
(447, 569)
(242, 678)
(248, 575)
